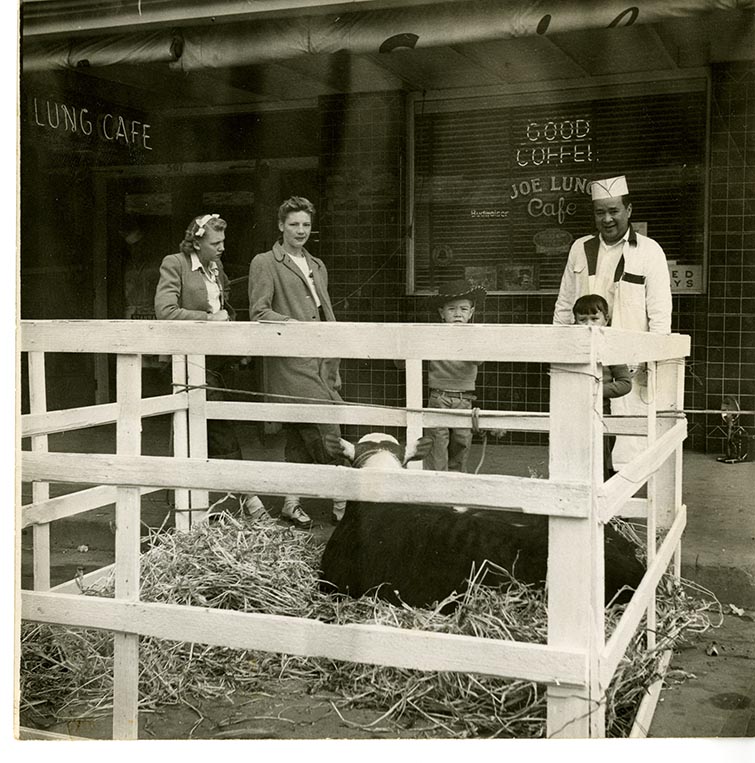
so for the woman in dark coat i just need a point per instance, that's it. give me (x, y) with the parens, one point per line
(288, 284)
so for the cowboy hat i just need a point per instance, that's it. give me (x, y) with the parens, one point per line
(460, 289)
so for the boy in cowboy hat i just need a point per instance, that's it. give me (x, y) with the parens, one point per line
(452, 382)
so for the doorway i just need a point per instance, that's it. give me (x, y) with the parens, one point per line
(144, 212)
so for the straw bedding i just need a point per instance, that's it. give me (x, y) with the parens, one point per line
(263, 567)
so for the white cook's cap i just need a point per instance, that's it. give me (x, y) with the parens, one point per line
(609, 188)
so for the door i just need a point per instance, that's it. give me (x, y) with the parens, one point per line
(146, 215)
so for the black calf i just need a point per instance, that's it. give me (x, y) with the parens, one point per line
(424, 554)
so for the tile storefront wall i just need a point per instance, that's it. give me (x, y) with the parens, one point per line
(363, 234)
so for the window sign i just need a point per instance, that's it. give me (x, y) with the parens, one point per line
(501, 189)
(687, 278)
(89, 122)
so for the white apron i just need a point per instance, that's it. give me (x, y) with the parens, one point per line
(629, 313)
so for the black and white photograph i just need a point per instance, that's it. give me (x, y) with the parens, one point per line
(383, 370)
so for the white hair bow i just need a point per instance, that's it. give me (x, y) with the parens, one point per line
(202, 222)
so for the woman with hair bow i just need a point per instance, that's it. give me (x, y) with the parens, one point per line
(194, 287)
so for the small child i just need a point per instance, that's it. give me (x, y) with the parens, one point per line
(452, 382)
(592, 310)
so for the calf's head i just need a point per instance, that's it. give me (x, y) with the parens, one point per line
(378, 450)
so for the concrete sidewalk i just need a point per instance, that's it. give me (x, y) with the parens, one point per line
(710, 686)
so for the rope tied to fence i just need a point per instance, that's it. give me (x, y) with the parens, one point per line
(476, 430)
(452, 412)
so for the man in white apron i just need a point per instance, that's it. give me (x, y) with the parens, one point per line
(630, 271)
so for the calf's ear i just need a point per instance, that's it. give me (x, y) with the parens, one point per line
(337, 446)
(419, 450)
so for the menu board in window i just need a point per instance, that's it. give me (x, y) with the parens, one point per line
(501, 187)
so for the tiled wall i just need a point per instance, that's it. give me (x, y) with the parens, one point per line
(361, 226)
(363, 158)
(722, 323)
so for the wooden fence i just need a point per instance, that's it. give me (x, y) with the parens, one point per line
(577, 663)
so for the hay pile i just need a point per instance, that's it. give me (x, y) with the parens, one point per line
(263, 567)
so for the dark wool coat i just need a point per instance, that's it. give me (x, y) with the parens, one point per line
(278, 291)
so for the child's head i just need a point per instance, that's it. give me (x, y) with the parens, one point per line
(591, 310)
(457, 302)
(456, 311)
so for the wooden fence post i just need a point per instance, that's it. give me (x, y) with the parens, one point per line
(676, 489)
(669, 395)
(181, 445)
(40, 490)
(651, 533)
(575, 549)
(413, 400)
(199, 500)
(666, 489)
(127, 549)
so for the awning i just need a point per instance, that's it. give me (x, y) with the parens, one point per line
(136, 48)
(378, 31)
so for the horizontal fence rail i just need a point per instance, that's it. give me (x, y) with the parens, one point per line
(82, 582)
(506, 343)
(375, 644)
(624, 484)
(96, 415)
(384, 416)
(627, 626)
(314, 481)
(71, 504)
(72, 419)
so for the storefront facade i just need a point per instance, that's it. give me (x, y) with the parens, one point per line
(470, 157)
